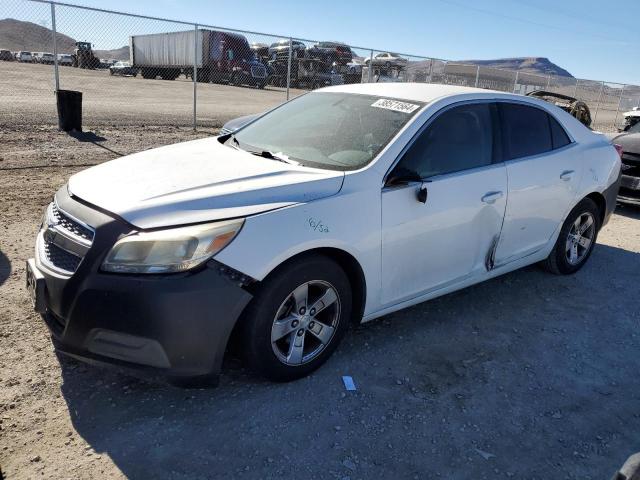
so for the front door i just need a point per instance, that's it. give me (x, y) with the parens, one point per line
(439, 237)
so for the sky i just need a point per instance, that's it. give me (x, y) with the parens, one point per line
(591, 39)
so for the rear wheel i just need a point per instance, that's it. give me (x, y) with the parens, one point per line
(297, 319)
(576, 240)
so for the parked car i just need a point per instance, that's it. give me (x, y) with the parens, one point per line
(6, 56)
(23, 56)
(340, 206)
(108, 62)
(387, 59)
(123, 68)
(331, 52)
(631, 118)
(310, 73)
(381, 74)
(280, 50)
(629, 142)
(46, 58)
(65, 59)
(261, 51)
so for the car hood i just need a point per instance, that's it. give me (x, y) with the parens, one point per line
(198, 181)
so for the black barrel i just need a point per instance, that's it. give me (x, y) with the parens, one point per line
(69, 110)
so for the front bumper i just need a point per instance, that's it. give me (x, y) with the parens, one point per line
(176, 325)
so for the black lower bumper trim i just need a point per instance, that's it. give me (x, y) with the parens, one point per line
(177, 324)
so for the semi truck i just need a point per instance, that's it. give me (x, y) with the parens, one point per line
(220, 57)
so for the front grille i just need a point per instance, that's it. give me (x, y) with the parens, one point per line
(258, 71)
(60, 258)
(63, 241)
(71, 225)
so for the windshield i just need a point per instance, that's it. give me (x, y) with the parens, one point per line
(336, 131)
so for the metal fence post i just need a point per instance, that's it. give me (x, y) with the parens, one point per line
(370, 66)
(615, 121)
(56, 73)
(477, 75)
(515, 81)
(289, 65)
(548, 82)
(195, 74)
(575, 90)
(430, 70)
(598, 104)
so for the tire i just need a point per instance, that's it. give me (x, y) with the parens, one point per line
(266, 339)
(561, 260)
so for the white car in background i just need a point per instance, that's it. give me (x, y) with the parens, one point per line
(386, 59)
(340, 206)
(23, 56)
(65, 59)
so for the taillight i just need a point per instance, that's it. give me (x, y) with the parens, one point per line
(618, 149)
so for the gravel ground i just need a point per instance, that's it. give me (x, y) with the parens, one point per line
(525, 376)
(27, 98)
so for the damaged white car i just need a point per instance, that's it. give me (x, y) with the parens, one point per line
(339, 206)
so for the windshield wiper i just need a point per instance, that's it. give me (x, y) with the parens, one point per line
(280, 157)
(234, 140)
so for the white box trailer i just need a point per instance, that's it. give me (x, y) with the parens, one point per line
(222, 57)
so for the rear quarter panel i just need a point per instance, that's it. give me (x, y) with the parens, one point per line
(601, 166)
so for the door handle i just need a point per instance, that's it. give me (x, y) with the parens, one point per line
(491, 197)
(566, 175)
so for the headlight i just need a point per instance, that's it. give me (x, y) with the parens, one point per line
(171, 250)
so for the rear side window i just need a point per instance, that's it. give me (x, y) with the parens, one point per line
(525, 130)
(559, 137)
(458, 139)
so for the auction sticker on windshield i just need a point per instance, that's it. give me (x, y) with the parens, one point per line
(395, 105)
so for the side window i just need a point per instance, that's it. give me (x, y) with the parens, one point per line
(559, 137)
(525, 130)
(458, 139)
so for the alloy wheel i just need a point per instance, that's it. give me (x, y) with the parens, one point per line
(580, 238)
(305, 322)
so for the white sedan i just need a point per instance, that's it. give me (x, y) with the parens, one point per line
(340, 206)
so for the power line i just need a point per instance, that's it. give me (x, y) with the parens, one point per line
(527, 21)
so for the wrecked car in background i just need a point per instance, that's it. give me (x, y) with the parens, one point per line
(629, 141)
(573, 106)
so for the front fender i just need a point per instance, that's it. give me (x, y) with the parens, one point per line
(349, 222)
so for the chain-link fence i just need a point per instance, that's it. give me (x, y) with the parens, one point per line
(146, 70)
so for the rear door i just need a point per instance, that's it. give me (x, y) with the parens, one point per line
(444, 233)
(544, 174)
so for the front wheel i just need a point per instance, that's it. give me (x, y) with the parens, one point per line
(297, 319)
(576, 240)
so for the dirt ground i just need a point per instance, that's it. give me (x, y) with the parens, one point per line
(27, 98)
(528, 376)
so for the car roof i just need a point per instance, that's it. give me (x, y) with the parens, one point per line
(428, 93)
(418, 92)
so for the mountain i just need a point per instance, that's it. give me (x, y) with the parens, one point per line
(19, 35)
(121, 53)
(539, 65)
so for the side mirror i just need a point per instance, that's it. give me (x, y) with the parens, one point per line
(402, 176)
